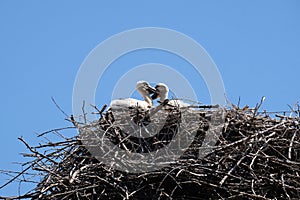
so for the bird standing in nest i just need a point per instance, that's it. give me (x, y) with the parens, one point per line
(162, 92)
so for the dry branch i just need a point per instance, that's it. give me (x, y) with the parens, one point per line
(256, 157)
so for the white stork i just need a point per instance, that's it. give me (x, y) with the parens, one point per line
(162, 91)
(144, 89)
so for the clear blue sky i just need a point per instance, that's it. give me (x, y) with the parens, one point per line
(255, 45)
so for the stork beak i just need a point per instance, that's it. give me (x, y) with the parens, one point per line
(155, 94)
(150, 89)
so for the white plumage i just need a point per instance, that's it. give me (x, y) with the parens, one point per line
(162, 91)
(144, 89)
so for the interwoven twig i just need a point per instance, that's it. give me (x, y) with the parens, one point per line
(256, 157)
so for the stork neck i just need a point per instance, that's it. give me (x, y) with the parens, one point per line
(148, 100)
(163, 96)
(146, 96)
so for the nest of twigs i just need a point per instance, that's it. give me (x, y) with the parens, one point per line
(256, 156)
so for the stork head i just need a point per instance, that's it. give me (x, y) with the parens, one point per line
(162, 91)
(144, 88)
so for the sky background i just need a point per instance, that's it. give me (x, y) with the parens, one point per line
(255, 45)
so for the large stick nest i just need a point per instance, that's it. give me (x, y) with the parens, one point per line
(256, 157)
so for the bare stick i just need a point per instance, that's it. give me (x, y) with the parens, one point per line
(61, 110)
